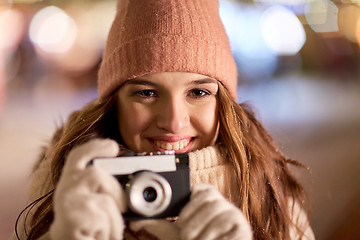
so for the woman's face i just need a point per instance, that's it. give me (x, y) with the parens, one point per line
(168, 111)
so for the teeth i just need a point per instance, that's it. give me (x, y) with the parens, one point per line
(168, 146)
(172, 145)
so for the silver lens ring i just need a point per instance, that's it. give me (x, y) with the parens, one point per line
(138, 188)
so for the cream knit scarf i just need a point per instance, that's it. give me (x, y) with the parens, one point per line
(208, 166)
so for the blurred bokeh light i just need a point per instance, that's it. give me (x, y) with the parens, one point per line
(299, 67)
(52, 30)
(255, 60)
(347, 19)
(322, 16)
(282, 31)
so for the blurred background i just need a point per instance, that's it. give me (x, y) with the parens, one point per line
(298, 64)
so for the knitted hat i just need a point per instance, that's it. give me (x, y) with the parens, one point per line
(152, 36)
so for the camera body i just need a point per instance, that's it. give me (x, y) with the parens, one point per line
(157, 185)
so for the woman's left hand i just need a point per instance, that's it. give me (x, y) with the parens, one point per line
(209, 215)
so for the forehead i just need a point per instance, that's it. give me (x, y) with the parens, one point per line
(175, 78)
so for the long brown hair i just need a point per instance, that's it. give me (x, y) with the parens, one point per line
(263, 183)
(264, 186)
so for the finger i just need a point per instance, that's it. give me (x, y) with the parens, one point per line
(230, 224)
(200, 195)
(97, 224)
(96, 180)
(115, 219)
(238, 233)
(198, 188)
(221, 226)
(80, 156)
(80, 216)
(202, 217)
(98, 217)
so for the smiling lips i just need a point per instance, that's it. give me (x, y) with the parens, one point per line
(178, 145)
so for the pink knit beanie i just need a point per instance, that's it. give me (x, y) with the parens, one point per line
(152, 36)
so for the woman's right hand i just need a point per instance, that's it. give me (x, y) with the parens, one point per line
(208, 215)
(88, 201)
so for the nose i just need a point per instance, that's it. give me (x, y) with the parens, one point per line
(173, 116)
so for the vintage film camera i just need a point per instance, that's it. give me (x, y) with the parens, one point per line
(157, 185)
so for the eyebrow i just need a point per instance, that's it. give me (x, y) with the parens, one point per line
(204, 81)
(139, 81)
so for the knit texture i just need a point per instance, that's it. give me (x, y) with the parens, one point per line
(208, 166)
(155, 36)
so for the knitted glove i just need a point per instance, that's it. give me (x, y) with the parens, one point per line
(88, 201)
(209, 216)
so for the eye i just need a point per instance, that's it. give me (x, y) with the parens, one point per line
(147, 93)
(198, 93)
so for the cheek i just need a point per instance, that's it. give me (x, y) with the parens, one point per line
(207, 121)
(131, 122)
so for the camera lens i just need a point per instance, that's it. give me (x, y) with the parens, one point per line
(149, 194)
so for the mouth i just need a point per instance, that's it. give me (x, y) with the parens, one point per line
(178, 146)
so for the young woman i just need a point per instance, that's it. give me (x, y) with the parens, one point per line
(167, 82)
